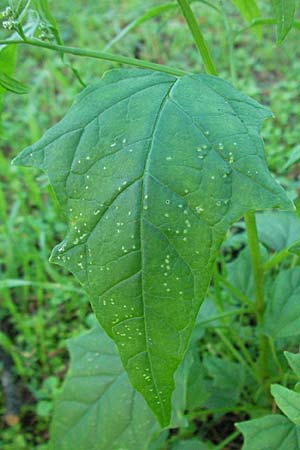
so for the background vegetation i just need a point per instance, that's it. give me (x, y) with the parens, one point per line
(42, 306)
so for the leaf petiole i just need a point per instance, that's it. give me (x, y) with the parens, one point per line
(97, 55)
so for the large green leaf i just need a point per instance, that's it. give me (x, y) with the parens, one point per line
(98, 409)
(151, 171)
(282, 314)
(284, 12)
(272, 432)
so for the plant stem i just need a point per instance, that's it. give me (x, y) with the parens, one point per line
(233, 312)
(238, 294)
(264, 21)
(198, 37)
(257, 266)
(222, 445)
(230, 44)
(97, 55)
(206, 412)
(276, 259)
(235, 353)
(258, 275)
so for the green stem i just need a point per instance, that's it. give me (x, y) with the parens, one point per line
(276, 359)
(206, 412)
(233, 312)
(198, 37)
(257, 266)
(276, 259)
(264, 21)
(230, 43)
(238, 294)
(222, 445)
(97, 55)
(258, 275)
(237, 355)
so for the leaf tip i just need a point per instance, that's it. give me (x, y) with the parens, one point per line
(27, 158)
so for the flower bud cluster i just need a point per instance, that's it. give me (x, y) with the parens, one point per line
(10, 22)
(45, 32)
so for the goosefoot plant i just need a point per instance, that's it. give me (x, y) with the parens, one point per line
(151, 167)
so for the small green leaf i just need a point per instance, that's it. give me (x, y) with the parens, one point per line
(284, 12)
(282, 314)
(249, 11)
(97, 408)
(10, 84)
(288, 401)
(272, 432)
(278, 229)
(294, 362)
(276, 432)
(151, 171)
(248, 8)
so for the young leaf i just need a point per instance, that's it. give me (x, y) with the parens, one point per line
(278, 229)
(294, 362)
(151, 171)
(276, 432)
(282, 314)
(98, 409)
(288, 401)
(284, 12)
(272, 432)
(249, 11)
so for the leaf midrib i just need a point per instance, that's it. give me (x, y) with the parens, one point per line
(143, 193)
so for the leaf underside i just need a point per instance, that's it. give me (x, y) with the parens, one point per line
(151, 171)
